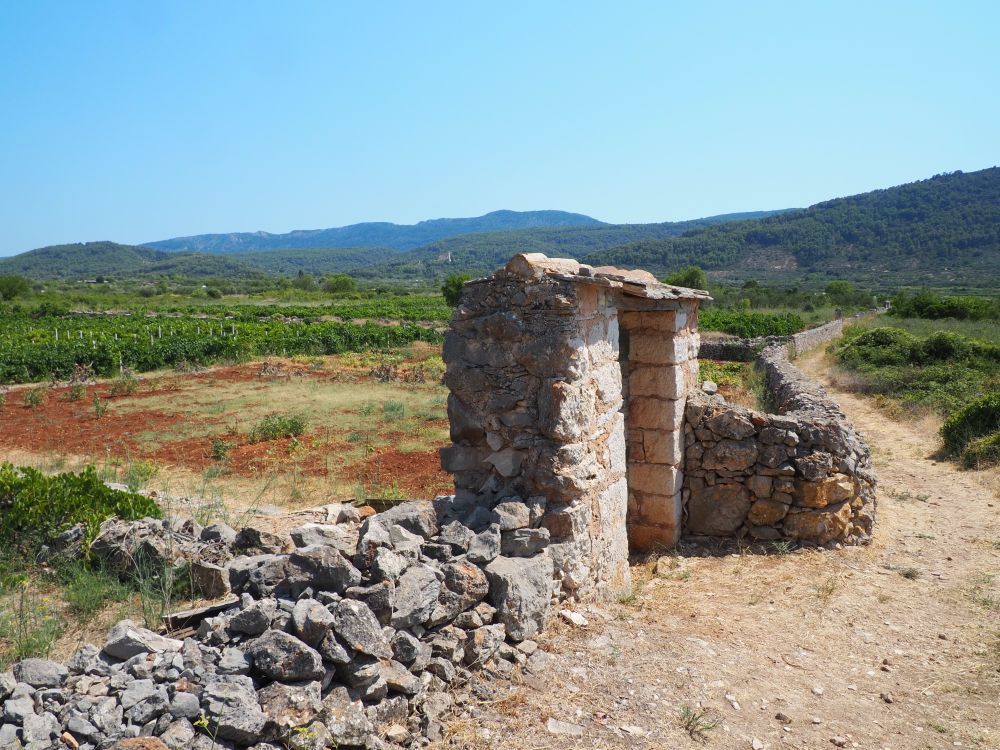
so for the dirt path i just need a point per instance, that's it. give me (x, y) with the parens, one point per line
(895, 645)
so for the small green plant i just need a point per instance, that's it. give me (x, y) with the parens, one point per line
(138, 474)
(124, 384)
(35, 397)
(697, 722)
(3, 395)
(88, 591)
(76, 392)
(220, 449)
(30, 628)
(393, 410)
(276, 426)
(100, 407)
(781, 546)
(910, 574)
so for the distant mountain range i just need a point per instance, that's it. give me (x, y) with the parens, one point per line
(374, 234)
(943, 231)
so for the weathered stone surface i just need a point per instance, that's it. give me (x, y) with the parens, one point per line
(233, 711)
(765, 512)
(512, 514)
(520, 589)
(211, 581)
(827, 491)
(485, 546)
(415, 596)
(730, 455)
(311, 620)
(357, 626)
(342, 537)
(718, 510)
(284, 657)
(760, 485)
(255, 618)
(126, 639)
(523, 542)
(322, 567)
(819, 526)
(40, 673)
(290, 705)
(815, 466)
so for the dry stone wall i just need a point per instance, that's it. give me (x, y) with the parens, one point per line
(802, 474)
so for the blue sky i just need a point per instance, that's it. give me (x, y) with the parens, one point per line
(141, 121)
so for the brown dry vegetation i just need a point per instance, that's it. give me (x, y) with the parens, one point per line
(826, 639)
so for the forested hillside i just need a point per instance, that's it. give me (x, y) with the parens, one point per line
(90, 260)
(944, 231)
(374, 234)
(480, 253)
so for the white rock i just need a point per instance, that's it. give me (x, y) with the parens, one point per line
(573, 618)
(554, 726)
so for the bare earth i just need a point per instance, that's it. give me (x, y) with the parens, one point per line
(895, 645)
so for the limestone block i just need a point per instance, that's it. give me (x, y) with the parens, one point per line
(657, 479)
(507, 462)
(663, 447)
(718, 510)
(766, 512)
(565, 410)
(642, 538)
(607, 382)
(462, 458)
(534, 265)
(662, 321)
(655, 414)
(466, 425)
(819, 526)
(827, 491)
(660, 349)
(731, 424)
(662, 381)
(760, 485)
(660, 510)
(731, 455)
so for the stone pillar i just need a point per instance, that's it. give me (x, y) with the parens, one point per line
(536, 415)
(661, 366)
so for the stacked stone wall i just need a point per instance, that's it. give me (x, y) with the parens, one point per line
(536, 417)
(802, 474)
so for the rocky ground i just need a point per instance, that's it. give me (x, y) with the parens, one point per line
(895, 645)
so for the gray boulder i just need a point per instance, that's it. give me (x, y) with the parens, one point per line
(284, 657)
(126, 639)
(232, 707)
(255, 619)
(486, 545)
(523, 542)
(521, 589)
(40, 673)
(322, 567)
(311, 621)
(358, 627)
(415, 596)
(290, 706)
(345, 720)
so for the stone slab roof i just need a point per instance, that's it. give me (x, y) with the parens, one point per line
(633, 283)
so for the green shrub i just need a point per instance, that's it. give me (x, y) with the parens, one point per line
(138, 474)
(32, 504)
(276, 426)
(34, 397)
(100, 407)
(747, 324)
(976, 420)
(982, 452)
(220, 449)
(124, 384)
(393, 410)
(76, 392)
(87, 591)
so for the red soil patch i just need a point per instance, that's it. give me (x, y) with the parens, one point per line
(414, 473)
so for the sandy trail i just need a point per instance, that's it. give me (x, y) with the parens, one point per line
(895, 645)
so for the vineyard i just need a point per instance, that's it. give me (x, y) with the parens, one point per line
(747, 324)
(34, 349)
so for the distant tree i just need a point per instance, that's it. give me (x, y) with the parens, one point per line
(452, 288)
(839, 291)
(691, 277)
(214, 292)
(339, 283)
(304, 281)
(13, 286)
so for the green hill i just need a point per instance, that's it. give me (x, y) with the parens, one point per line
(944, 231)
(317, 260)
(88, 260)
(373, 234)
(479, 254)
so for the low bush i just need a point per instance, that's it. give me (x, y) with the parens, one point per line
(976, 420)
(982, 452)
(275, 426)
(35, 505)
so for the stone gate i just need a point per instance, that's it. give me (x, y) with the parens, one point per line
(568, 389)
(575, 406)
